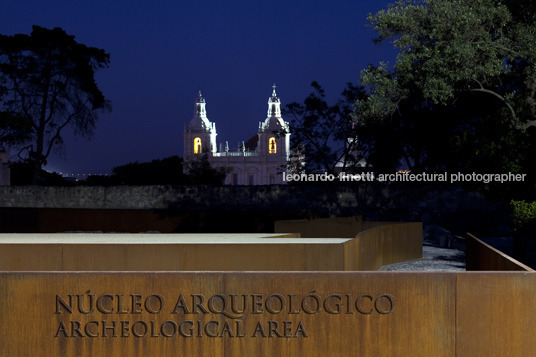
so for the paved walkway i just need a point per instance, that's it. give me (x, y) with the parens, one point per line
(434, 258)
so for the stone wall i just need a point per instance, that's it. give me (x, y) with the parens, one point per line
(5, 171)
(446, 205)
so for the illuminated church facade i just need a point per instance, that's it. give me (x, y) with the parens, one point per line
(261, 160)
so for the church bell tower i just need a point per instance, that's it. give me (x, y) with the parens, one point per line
(200, 133)
(274, 132)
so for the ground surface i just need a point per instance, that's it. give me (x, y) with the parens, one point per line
(434, 258)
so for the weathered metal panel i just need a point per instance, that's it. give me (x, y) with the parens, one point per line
(383, 245)
(481, 256)
(286, 314)
(496, 314)
(171, 257)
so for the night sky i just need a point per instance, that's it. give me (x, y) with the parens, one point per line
(163, 52)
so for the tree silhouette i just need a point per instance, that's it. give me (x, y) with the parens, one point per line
(325, 134)
(48, 80)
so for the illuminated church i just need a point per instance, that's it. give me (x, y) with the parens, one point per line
(260, 160)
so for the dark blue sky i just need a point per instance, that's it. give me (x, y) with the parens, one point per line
(162, 52)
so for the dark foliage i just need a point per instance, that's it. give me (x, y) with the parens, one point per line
(321, 131)
(47, 83)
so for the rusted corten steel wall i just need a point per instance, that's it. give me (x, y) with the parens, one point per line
(267, 314)
(384, 245)
(481, 256)
(369, 250)
(375, 244)
(340, 227)
(171, 257)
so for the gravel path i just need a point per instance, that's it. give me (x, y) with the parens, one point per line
(434, 258)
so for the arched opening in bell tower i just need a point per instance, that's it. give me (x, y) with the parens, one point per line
(272, 146)
(197, 146)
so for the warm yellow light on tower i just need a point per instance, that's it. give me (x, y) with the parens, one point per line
(197, 145)
(272, 146)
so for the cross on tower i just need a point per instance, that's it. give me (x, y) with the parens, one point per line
(273, 93)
